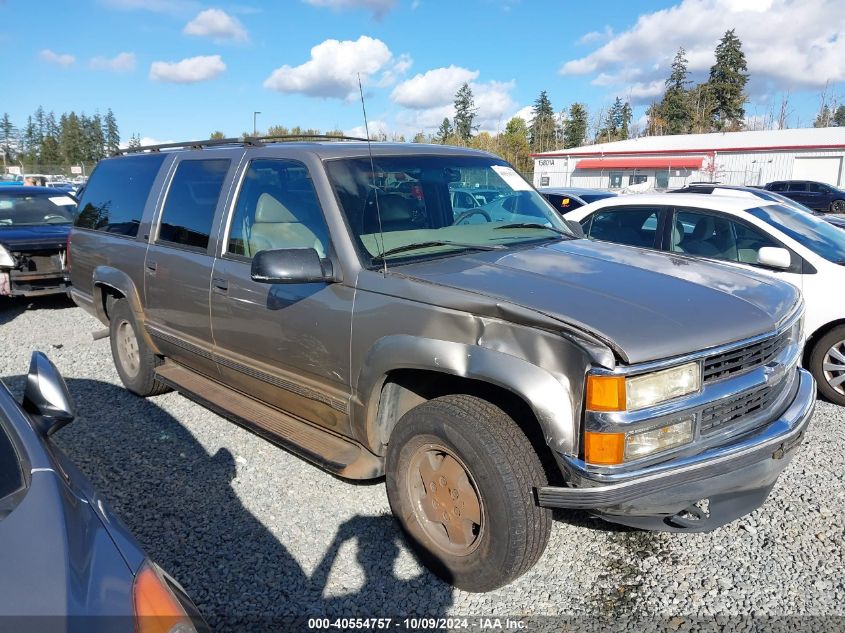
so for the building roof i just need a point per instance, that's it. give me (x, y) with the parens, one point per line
(801, 138)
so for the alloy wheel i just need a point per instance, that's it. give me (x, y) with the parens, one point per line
(833, 366)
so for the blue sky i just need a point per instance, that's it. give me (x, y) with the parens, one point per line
(179, 69)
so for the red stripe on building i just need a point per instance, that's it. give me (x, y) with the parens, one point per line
(669, 162)
(709, 150)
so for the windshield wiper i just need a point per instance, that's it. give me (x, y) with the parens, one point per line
(418, 245)
(533, 225)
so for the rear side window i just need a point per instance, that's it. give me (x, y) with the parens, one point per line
(189, 209)
(777, 186)
(115, 196)
(634, 226)
(798, 186)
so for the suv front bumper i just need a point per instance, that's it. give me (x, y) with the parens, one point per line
(734, 478)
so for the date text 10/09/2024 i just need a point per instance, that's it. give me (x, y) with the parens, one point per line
(416, 624)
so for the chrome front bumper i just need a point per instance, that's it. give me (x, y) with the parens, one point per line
(735, 478)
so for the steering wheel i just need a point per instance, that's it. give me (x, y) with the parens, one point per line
(468, 214)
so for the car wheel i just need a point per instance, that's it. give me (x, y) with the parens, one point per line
(827, 364)
(460, 478)
(837, 206)
(134, 360)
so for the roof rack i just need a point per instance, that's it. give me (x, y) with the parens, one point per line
(246, 141)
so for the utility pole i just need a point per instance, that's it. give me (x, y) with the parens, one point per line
(254, 128)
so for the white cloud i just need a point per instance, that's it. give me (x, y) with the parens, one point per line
(59, 59)
(429, 98)
(525, 113)
(217, 24)
(596, 36)
(334, 66)
(188, 71)
(432, 88)
(378, 129)
(146, 140)
(120, 63)
(787, 44)
(378, 7)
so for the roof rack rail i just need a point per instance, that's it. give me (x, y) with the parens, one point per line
(246, 141)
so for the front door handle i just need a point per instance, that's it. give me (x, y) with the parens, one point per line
(152, 266)
(220, 285)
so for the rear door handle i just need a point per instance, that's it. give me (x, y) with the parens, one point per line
(220, 285)
(151, 267)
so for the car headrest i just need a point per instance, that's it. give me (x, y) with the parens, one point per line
(394, 208)
(704, 228)
(268, 209)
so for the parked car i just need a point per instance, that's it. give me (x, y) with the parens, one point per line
(69, 564)
(762, 194)
(566, 199)
(490, 371)
(816, 195)
(34, 228)
(768, 237)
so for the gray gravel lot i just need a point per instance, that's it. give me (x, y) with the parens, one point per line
(252, 531)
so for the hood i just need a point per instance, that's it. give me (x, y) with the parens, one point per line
(41, 237)
(647, 305)
(835, 220)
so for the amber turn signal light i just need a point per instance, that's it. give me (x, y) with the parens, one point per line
(604, 448)
(605, 393)
(157, 610)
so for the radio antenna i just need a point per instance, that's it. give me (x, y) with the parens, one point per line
(372, 174)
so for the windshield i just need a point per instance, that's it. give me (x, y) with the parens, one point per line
(25, 208)
(820, 237)
(430, 206)
(789, 202)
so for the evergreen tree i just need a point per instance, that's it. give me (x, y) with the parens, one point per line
(51, 151)
(134, 142)
(542, 131)
(728, 77)
(444, 132)
(839, 116)
(618, 122)
(575, 130)
(675, 106)
(70, 139)
(627, 117)
(824, 118)
(465, 112)
(95, 140)
(31, 144)
(111, 132)
(8, 138)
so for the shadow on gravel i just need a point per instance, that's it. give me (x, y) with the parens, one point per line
(178, 501)
(12, 307)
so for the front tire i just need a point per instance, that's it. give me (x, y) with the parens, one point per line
(827, 364)
(460, 478)
(837, 206)
(133, 359)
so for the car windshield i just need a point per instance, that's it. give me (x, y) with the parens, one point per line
(822, 238)
(443, 211)
(25, 208)
(789, 202)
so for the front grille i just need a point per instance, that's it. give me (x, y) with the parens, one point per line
(745, 358)
(716, 417)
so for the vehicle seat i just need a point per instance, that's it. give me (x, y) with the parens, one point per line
(276, 226)
(396, 214)
(699, 242)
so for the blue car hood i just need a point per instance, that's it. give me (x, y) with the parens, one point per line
(41, 237)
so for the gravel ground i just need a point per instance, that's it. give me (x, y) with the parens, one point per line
(252, 531)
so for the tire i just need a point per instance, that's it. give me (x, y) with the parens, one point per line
(837, 206)
(827, 364)
(476, 449)
(133, 359)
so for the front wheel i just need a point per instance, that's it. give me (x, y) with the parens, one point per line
(460, 479)
(827, 364)
(837, 206)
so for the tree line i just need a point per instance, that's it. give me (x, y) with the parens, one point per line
(69, 139)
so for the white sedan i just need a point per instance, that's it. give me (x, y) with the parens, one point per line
(767, 237)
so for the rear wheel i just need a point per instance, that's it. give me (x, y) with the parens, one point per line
(460, 479)
(837, 206)
(133, 359)
(827, 364)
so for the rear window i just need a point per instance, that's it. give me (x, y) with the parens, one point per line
(24, 208)
(189, 210)
(115, 196)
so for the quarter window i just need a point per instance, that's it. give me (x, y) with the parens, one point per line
(115, 196)
(277, 208)
(189, 209)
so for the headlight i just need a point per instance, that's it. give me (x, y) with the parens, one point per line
(796, 333)
(618, 393)
(6, 259)
(608, 449)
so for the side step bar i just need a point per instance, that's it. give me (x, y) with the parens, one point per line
(324, 448)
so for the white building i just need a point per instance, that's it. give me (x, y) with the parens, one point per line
(667, 162)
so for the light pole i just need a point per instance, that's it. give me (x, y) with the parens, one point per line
(254, 129)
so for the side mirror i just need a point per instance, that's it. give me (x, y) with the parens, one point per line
(290, 266)
(575, 227)
(774, 257)
(46, 397)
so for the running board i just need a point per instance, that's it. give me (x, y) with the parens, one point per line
(325, 449)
